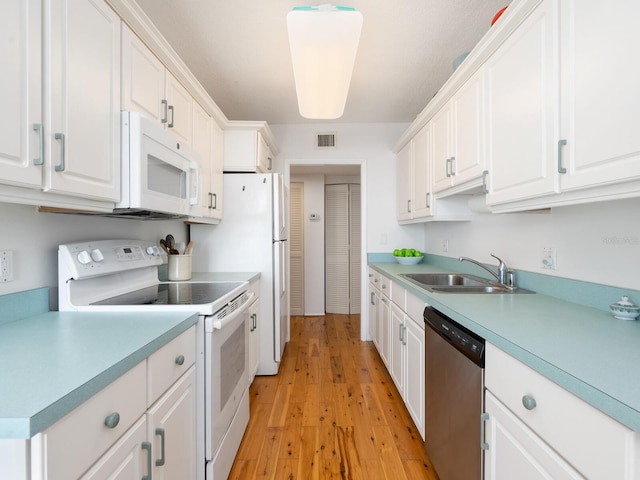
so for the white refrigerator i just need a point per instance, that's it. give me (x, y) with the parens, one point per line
(251, 238)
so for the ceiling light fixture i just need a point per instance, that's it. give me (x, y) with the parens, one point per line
(323, 42)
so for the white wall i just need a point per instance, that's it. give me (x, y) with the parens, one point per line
(34, 238)
(598, 242)
(372, 144)
(313, 243)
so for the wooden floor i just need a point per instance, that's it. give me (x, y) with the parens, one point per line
(331, 412)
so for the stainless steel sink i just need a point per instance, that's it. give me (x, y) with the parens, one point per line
(458, 283)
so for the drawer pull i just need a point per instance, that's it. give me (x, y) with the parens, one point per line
(147, 446)
(484, 417)
(160, 461)
(112, 420)
(180, 359)
(529, 402)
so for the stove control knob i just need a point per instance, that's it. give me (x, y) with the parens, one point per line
(97, 256)
(153, 250)
(84, 257)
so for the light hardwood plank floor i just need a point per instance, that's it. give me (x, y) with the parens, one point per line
(331, 412)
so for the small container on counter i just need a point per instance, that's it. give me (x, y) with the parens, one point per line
(624, 309)
(179, 267)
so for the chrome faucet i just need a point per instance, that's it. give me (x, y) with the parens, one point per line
(504, 276)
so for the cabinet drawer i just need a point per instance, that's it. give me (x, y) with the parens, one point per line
(385, 286)
(169, 363)
(73, 443)
(415, 308)
(398, 295)
(594, 443)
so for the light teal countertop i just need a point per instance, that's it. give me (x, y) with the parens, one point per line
(54, 361)
(582, 348)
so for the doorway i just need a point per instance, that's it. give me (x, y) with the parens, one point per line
(313, 174)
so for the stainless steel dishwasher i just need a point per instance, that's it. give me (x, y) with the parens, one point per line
(454, 358)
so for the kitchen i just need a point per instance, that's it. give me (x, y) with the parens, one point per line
(596, 242)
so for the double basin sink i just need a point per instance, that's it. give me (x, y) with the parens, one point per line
(458, 283)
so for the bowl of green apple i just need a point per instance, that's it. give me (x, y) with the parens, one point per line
(408, 256)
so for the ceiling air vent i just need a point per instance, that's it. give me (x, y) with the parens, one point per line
(325, 140)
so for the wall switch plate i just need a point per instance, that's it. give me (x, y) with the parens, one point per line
(6, 265)
(549, 258)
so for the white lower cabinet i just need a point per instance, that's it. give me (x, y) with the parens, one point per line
(254, 331)
(536, 429)
(125, 431)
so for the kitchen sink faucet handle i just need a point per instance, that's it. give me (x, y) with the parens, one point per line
(502, 270)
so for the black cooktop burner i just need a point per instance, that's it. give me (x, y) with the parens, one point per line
(174, 294)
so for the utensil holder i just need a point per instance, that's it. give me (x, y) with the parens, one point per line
(179, 267)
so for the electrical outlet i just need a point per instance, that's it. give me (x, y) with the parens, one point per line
(549, 258)
(445, 246)
(6, 265)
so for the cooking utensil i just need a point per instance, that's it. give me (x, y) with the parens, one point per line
(187, 251)
(171, 244)
(164, 247)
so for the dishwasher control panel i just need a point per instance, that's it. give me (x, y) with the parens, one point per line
(460, 337)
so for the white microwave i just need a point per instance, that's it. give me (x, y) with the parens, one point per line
(159, 174)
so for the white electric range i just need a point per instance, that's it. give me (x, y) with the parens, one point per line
(122, 276)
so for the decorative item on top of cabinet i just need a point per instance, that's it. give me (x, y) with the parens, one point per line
(150, 89)
(249, 147)
(59, 143)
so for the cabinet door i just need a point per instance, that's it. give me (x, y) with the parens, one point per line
(82, 94)
(217, 180)
(373, 315)
(441, 131)
(384, 327)
(127, 459)
(265, 159)
(180, 115)
(254, 336)
(600, 102)
(396, 348)
(522, 112)
(21, 138)
(171, 426)
(403, 182)
(203, 146)
(421, 174)
(142, 79)
(468, 130)
(514, 451)
(414, 376)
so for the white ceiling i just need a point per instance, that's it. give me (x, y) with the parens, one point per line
(239, 51)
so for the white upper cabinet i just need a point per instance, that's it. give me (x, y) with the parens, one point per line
(458, 136)
(82, 91)
(61, 93)
(600, 102)
(403, 182)
(21, 137)
(248, 147)
(522, 113)
(150, 89)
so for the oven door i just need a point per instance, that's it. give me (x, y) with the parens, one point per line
(226, 373)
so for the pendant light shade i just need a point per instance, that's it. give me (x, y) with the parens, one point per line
(323, 42)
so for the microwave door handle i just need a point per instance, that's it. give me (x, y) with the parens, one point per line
(220, 323)
(194, 179)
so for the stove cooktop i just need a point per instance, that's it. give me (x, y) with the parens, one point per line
(174, 294)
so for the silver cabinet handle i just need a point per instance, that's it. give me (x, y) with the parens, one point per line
(170, 125)
(561, 143)
(408, 206)
(428, 200)
(400, 333)
(160, 461)
(147, 446)
(214, 196)
(529, 402)
(61, 166)
(112, 420)
(448, 167)
(164, 114)
(384, 287)
(485, 189)
(40, 129)
(375, 280)
(180, 360)
(483, 419)
(255, 321)
(453, 173)
(372, 296)
(270, 165)
(404, 335)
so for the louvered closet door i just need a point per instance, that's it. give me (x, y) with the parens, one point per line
(296, 248)
(337, 249)
(354, 251)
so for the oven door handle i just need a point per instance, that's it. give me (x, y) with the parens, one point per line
(220, 323)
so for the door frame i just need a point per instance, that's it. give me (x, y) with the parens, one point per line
(364, 320)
